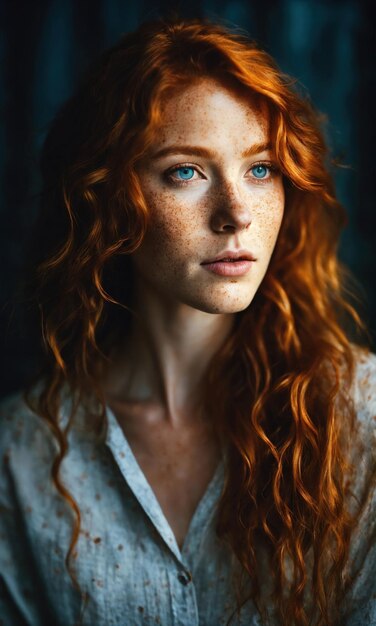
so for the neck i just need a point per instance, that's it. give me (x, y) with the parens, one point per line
(166, 355)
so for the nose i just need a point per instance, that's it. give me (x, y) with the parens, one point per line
(231, 212)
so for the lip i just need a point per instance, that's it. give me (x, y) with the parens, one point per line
(241, 255)
(229, 268)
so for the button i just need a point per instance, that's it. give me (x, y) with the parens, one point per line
(184, 578)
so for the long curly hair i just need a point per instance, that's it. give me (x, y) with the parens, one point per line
(276, 390)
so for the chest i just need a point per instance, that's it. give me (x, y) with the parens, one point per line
(178, 463)
(179, 483)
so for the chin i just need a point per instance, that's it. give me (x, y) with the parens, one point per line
(225, 309)
(222, 303)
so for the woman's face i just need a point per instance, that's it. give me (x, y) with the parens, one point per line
(211, 188)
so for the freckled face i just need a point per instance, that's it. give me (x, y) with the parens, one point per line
(211, 186)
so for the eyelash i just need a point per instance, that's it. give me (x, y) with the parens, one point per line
(273, 169)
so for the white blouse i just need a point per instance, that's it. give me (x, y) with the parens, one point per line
(127, 557)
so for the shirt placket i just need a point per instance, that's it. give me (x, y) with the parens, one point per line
(182, 588)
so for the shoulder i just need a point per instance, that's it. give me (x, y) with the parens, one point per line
(20, 425)
(363, 395)
(364, 383)
(362, 501)
(29, 447)
(27, 444)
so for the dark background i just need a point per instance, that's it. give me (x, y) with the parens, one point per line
(45, 45)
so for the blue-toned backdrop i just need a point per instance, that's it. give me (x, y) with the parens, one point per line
(46, 44)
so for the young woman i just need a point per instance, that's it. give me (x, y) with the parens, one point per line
(197, 449)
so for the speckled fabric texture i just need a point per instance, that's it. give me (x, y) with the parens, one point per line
(127, 557)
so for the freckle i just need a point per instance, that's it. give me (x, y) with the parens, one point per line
(117, 566)
(122, 455)
(59, 513)
(45, 525)
(140, 609)
(97, 540)
(146, 583)
(120, 547)
(98, 496)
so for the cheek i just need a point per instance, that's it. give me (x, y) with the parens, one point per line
(171, 228)
(268, 216)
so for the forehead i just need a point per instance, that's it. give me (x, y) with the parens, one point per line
(207, 111)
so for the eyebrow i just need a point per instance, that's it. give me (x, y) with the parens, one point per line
(205, 152)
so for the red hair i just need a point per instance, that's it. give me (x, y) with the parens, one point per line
(276, 390)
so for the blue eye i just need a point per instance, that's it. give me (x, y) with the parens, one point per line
(182, 174)
(260, 171)
(185, 173)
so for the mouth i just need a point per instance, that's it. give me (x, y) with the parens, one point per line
(230, 266)
(227, 260)
(231, 256)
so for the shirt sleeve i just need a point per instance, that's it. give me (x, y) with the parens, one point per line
(19, 434)
(9, 612)
(360, 606)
